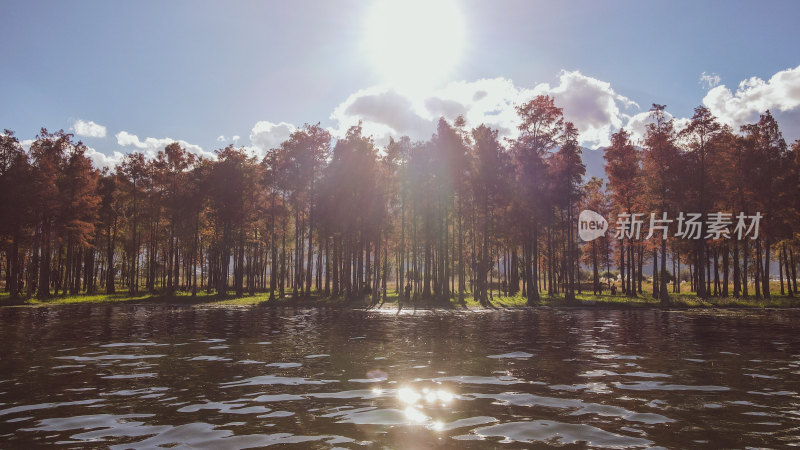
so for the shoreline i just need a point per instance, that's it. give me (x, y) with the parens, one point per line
(617, 302)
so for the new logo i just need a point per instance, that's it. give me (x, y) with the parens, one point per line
(591, 225)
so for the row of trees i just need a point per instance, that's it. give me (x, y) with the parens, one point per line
(464, 213)
(705, 168)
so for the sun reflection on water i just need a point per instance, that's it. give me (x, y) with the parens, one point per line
(444, 396)
(417, 401)
(414, 415)
(407, 395)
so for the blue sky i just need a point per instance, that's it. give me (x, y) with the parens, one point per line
(197, 71)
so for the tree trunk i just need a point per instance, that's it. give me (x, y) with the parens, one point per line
(745, 259)
(44, 262)
(663, 278)
(737, 276)
(725, 270)
(13, 267)
(765, 278)
(656, 275)
(794, 272)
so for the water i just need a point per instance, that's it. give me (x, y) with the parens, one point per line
(141, 376)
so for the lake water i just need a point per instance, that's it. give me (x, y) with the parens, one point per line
(142, 376)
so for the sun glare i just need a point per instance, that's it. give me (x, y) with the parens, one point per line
(414, 44)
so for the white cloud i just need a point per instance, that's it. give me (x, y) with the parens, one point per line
(151, 146)
(125, 139)
(383, 112)
(709, 80)
(780, 94)
(680, 123)
(222, 139)
(267, 135)
(591, 104)
(88, 128)
(637, 125)
(487, 101)
(101, 160)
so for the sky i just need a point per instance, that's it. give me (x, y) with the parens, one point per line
(135, 76)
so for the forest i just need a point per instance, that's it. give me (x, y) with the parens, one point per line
(463, 215)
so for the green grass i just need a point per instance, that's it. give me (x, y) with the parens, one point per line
(83, 298)
(178, 298)
(680, 300)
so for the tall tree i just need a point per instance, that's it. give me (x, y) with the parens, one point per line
(699, 135)
(765, 144)
(567, 170)
(661, 164)
(623, 171)
(133, 170)
(16, 199)
(594, 253)
(490, 174)
(541, 126)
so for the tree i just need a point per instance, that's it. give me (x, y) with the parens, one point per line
(489, 177)
(699, 135)
(231, 182)
(396, 160)
(172, 168)
(567, 170)
(301, 158)
(48, 157)
(351, 207)
(541, 125)
(78, 202)
(596, 200)
(15, 202)
(767, 152)
(661, 164)
(133, 170)
(107, 190)
(623, 170)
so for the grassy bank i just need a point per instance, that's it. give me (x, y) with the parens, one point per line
(681, 300)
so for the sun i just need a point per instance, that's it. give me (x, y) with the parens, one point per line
(414, 44)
